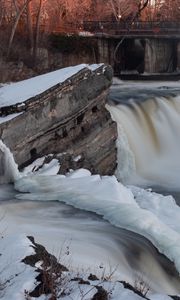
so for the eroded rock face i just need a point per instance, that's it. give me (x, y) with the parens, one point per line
(69, 117)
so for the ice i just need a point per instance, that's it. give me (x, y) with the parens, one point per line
(51, 168)
(34, 166)
(78, 173)
(8, 168)
(116, 203)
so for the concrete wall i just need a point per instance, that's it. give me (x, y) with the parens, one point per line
(178, 56)
(159, 56)
(151, 55)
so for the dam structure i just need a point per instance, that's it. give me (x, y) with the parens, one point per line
(148, 47)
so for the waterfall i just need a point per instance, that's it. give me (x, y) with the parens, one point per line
(8, 168)
(148, 141)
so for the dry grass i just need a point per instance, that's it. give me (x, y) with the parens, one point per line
(141, 285)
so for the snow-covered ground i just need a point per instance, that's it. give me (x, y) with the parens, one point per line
(19, 279)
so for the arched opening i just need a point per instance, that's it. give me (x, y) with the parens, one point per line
(130, 57)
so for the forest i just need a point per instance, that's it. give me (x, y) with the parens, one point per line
(56, 14)
(26, 25)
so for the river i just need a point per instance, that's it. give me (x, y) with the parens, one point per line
(149, 127)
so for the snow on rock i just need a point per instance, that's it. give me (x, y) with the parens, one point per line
(23, 90)
(77, 158)
(51, 168)
(9, 117)
(34, 166)
(85, 33)
(39, 167)
(15, 277)
(18, 278)
(78, 173)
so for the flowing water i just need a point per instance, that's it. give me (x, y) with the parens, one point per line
(148, 144)
(148, 118)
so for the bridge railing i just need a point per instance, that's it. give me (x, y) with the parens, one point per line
(138, 26)
(122, 28)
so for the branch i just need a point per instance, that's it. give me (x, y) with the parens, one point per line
(15, 26)
(143, 5)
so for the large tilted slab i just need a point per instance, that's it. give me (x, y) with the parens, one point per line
(62, 111)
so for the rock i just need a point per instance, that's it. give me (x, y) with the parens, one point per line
(92, 277)
(101, 294)
(50, 269)
(70, 117)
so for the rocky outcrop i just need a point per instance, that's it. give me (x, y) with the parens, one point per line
(69, 117)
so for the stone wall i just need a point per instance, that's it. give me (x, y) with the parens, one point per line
(70, 117)
(159, 56)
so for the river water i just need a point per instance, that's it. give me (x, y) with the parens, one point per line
(149, 139)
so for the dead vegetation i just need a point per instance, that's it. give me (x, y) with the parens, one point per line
(56, 281)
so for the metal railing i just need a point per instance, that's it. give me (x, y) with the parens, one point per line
(137, 27)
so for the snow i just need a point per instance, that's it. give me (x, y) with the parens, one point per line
(77, 158)
(21, 91)
(93, 67)
(34, 166)
(50, 168)
(16, 277)
(20, 277)
(9, 117)
(159, 297)
(85, 33)
(79, 173)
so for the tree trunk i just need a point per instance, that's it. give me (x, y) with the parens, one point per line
(30, 27)
(19, 13)
(36, 42)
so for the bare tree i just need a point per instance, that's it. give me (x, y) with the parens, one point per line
(30, 26)
(19, 12)
(37, 29)
(135, 9)
(1, 12)
(127, 9)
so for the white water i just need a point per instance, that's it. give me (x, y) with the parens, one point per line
(8, 168)
(153, 216)
(149, 134)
